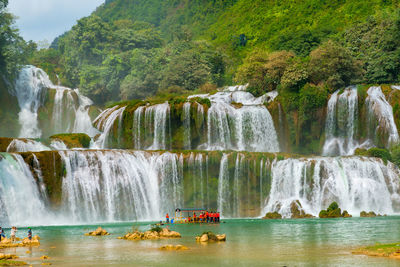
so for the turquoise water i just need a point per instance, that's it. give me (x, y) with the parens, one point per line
(250, 242)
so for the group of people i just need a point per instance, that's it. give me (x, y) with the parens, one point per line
(13, 233)
(204, 217)
(208, 217)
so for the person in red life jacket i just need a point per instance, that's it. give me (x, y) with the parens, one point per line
(206, 216)
(217, 216)
(167, 218)
(201, 217)
(212, 216)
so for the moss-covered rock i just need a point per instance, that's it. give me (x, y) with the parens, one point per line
(333, 211)
(368, 214)
(297, 211)
(73, 140)
(52, 169)
(272, 215)
(4, 142)
(210, 237)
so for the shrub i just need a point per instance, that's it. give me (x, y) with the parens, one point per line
(382, 153)
(156, 228)
(396, 155)
(333, 65)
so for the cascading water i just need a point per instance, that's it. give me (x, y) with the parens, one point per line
(20, 200)
(380, 123)
(356, 184)
(120, 186)
(104, 122)
(29, 91)
(237, 120)
(156, 122)
(70, 110)
(186, 125)
(341, 123)
(24, 145)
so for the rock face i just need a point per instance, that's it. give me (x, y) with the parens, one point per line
(333, 211)
(369, 214)
(297, 211)
(151, 235)
(172, 247)
(98, 232)
(210, 237)
(272, 215)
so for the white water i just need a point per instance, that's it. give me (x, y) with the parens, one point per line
(237, 120)
(341, 123)
(24, 145)
(356, 184)
(105, 122)
(156, 120)
(67, 115)
(186, 126)
(28, 89)
(20, 200)
(117, 186)
(380, 117)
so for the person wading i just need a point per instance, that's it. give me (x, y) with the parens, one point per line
(13, 232)
(167, 218)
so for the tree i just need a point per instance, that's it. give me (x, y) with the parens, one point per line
(333, 65)
(263, 71)
(187, 70)
(13, 48)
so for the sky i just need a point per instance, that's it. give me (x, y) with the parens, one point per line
(40, 20)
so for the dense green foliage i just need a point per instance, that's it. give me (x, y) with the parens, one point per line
(13, 49)
(381, 153)
(136, 49)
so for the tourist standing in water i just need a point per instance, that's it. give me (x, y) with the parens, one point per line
(2, 233)
(30, 234)
(13, 232)
(167, 218)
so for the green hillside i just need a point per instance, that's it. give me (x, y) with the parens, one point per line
(137, 49)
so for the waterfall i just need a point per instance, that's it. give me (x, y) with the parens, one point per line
(70, 109)
(24, 145)
(137, 126)
(223, 187)
(83, 122)
(237, 120)
(29, 91)
(156, 122)
(105, 122)
(120, 186)
(380, 118)
(186, 125)
(355, 183)
(341, 123)
(20, 199)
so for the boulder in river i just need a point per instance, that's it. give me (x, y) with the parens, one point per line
(154, 233)
(298, 211)
(333, 211)
(368, 214)
(272, 215)
(210, 237)
(172, 247)
(98, 232)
